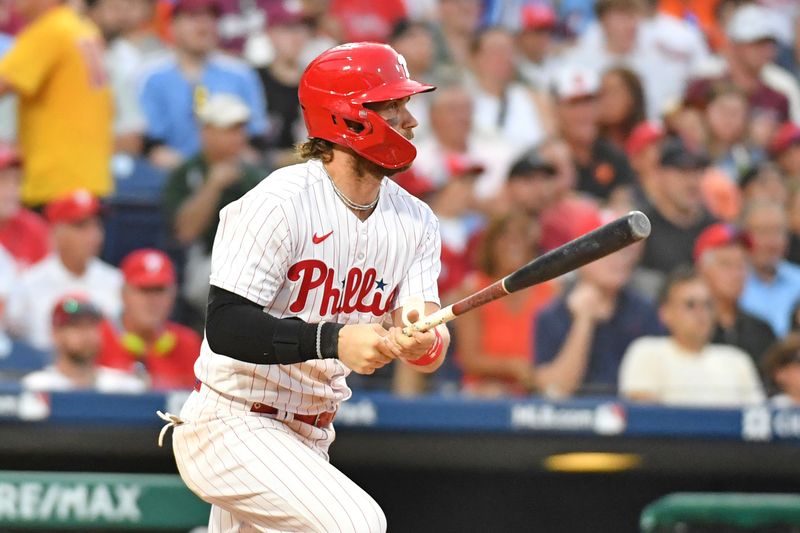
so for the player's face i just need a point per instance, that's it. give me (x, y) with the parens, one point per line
(79, 341)
(397, 115)
(9, 192)
(148, 308)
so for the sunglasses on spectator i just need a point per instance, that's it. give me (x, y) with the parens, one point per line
(693, 304)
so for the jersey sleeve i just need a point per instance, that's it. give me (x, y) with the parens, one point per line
(252, 248)
(29, 62)
(421, 278)
(639, 371)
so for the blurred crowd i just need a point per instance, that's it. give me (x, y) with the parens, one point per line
(125, 125)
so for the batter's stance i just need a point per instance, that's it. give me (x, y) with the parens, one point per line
(306, 270)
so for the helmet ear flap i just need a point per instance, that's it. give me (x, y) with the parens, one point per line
(381, 143)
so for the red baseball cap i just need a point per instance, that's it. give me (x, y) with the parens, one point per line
(718, 235)
(461, 165)
(72, 307)
(642, 136)
(148, 268)
(9, 157)
(786, 136)
(538, 17)
(74, 207)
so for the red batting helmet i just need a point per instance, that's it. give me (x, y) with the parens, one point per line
(337, 84)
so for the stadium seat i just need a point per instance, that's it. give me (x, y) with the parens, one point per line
(134, 218)
(21, 359)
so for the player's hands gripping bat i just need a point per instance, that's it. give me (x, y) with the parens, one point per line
(601, 242)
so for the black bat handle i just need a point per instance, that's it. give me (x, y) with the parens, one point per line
(603, 241)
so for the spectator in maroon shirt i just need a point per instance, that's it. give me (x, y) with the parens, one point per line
(751, 47)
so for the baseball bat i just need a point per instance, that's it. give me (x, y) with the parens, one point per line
(601, 242)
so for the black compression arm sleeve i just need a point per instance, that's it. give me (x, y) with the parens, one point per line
(240, 329)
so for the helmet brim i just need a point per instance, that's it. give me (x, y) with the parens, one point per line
(393, 91)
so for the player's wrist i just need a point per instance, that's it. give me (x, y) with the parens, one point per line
(433, 354)
(329, 340)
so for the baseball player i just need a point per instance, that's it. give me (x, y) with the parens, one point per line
(307, 268)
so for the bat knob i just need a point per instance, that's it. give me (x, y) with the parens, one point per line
(639, 225)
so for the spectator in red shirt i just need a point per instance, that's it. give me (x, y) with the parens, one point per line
(494, 343)
(144, 334)
(22, 232)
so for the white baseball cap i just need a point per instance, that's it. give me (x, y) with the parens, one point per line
(573, 82)
(223, 111)
(751, 23)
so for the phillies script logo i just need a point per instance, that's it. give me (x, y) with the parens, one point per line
(361, 290)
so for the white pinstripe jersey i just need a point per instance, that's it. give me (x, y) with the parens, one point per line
(293, 247)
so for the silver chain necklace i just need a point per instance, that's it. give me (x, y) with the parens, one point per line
(348, 202)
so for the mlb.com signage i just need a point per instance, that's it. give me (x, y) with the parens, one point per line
(86, 501)
(609, 418)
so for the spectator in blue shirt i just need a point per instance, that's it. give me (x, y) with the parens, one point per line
(8, 107)
(773, 284)
(582, 336)
(174, 87)
(5, 43)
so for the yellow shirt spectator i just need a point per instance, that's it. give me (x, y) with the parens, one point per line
(65, 106)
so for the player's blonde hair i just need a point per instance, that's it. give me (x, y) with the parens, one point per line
(315, 148)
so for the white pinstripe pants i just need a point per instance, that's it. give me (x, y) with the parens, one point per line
(264, 475)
